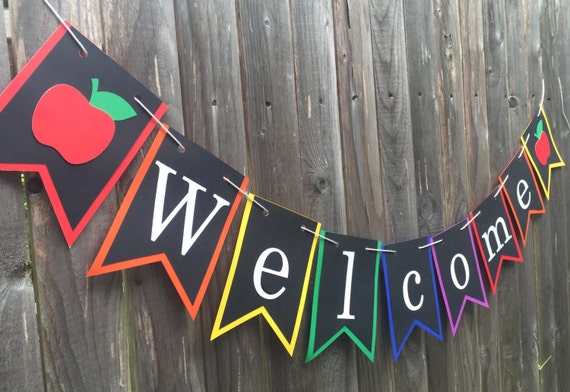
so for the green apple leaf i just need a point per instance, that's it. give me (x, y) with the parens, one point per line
(539, 128)
(112, 104)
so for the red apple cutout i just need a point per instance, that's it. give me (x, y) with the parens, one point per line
(542, 146)
(78, 129)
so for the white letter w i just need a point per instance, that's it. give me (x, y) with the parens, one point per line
(158, 224)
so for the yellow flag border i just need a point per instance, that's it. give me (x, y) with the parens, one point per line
(218, 330)
(545, 187)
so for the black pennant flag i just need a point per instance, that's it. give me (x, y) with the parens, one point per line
(345, 298)
(522, 192)
(74, 120)
(495, 235)
(177, 211)
(541, 149)
(457, 267)
(270, 271)
(411, 291)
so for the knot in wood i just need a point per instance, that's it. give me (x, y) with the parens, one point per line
(320, 185)
(35, 184)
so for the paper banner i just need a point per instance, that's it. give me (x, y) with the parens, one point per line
(458, 272)
(177, 211)
(270, 271)
(495, 235)
(541, 149)
(411, 291)
(74, 120)
(522, 192)
(345, 297)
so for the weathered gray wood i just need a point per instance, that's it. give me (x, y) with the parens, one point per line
(322, 185)
(397, 163)
(494, 36)
(160, 332)
(319, 104)
(557, 72)
(80, 321)
(551, 255)
(527, 275)
(20, 359)
(436, 94)
(473, 342)
(272, 127)
(361, 158)
(208, 49)
(427, 95)
(517, 288)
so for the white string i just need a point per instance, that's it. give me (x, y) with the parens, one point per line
(501, 186)
(430, 244)
(381, 250)
(248, 195)
(181, 147)
(83, 50)
(524, 145)
(304, 228)
(470, 220)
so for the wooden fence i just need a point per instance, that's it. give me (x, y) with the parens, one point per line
(381, 119)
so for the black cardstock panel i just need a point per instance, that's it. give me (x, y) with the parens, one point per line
(554, 157)
(280, 229)
(492, 209)
(133, 239)
(458, 241)
(519, 169)
(396, 266)
(333, 285)
(77, 185)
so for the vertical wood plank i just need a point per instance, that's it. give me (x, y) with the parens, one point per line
(436, 88)
(20, 361)
(560, 69)
(527, 275)
(273, 142)
(163, 354)
(551, 252)
(497, 120)
(462, 354)
(361, 160)
(396, 153)
(508, 300)
(427, 96)
(214, 118)
(517, 289)
(322, 183)
(471, 341)
(80, 331)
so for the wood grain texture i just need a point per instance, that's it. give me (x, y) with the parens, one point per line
(436, 94)
(361, 157)
(80, 349)
(322, 184)
(519, 370)
(552, 260)
(20, 358)
(427, 94)
(493, 15)
(397, 162)
(208, 50)
(558, 71)
(273, 147)
(159, 332)
(382, 119)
